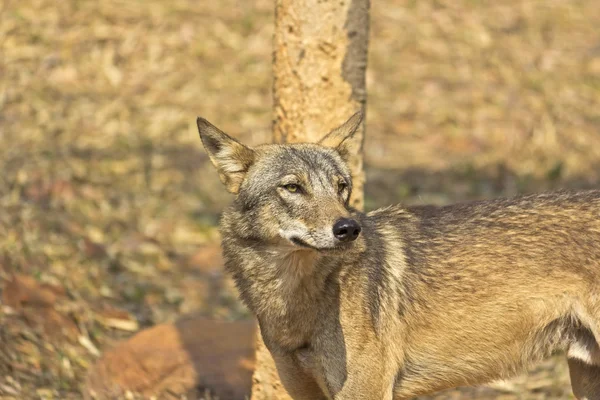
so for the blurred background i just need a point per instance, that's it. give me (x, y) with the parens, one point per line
(108, 202)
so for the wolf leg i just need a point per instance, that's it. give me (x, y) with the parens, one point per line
(585, 379)
(584, 353)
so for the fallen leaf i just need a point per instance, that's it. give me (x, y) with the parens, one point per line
(23, 290)
(92, 249)
(115, 318)
(89, 346)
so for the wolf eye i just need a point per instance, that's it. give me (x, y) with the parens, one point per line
(342, 186)
(292, 188)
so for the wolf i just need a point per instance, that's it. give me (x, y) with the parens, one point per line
(403, 301)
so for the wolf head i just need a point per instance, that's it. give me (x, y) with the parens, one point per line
(289, 195)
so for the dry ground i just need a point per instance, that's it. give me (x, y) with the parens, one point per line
(107, 199)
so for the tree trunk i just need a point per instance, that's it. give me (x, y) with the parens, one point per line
(320, 60)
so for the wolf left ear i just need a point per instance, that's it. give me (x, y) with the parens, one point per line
(231, 158)
(344, 138)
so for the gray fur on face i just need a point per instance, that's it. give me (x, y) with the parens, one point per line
(323, 189)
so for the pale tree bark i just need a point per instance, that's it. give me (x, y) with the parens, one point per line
(320, 59)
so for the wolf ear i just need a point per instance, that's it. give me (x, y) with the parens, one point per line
(231, 158)
(344, 138)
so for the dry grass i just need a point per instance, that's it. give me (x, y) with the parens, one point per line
(106, 192)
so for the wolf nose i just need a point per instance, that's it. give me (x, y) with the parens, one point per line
(346, 230)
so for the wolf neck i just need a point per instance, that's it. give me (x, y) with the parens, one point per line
(283, 287)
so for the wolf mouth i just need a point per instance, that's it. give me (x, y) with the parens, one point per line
(299, 242)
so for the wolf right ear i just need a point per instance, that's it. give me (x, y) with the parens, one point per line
(344, 138)
(231, 158)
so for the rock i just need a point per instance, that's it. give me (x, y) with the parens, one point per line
(190, 354)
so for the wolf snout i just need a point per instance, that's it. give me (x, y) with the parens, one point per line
(346, 230)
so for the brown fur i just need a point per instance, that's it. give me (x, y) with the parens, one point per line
(426, 298)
